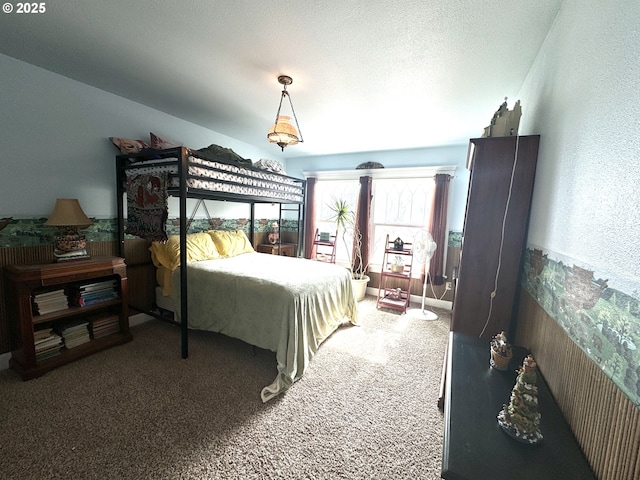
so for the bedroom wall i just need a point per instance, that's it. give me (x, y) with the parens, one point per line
(580, 310)
(418, 157)
(584, 102)
(55, 140)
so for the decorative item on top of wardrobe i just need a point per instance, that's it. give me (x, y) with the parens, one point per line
(505, 122)
(282, 132)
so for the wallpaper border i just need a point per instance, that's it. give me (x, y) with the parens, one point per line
(602, 321)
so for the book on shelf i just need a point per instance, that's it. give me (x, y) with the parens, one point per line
(74, 334)
(93, 286)
(74, 342)
(61, 256)
(95, 294)
(85, 302)
(104, 326)
(49, 294)
(47, 344)
(40, 335)
(51, 309)
(48, 354)
(86, 294)
(49, 302)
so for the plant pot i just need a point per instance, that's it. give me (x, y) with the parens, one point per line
(359, 286)
(500, 362)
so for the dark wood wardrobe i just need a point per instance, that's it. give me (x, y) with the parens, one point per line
(500, 188)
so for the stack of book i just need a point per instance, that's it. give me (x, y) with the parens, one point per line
(48, 344)
(47, 302)
(86, 294)
(74, 334)
(107, 325)
(61, 256)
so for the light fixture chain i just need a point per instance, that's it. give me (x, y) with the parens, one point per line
(284, 92)
(294, 117)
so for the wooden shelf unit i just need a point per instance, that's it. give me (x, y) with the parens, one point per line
(324, 249)
(394, 291)
(23, 281)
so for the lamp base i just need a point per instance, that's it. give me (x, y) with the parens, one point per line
(70, 247)
(70, 243)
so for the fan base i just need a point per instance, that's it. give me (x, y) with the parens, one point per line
(420, 314)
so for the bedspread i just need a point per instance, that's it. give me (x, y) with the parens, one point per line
(284, 304)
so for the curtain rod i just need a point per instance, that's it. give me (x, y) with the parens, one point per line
(396, 172)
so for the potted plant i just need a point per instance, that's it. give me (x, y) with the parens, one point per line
(344, 219)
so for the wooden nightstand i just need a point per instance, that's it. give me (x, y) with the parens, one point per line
(285, 249)
(83, 302)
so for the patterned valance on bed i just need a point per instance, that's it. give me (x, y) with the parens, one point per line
(216, 176)
(147, 205)
(205, 174)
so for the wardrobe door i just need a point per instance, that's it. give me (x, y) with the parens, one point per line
(494, 234)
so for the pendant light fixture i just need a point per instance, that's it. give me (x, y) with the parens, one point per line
(283, 132)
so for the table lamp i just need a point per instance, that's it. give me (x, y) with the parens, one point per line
(68, 215)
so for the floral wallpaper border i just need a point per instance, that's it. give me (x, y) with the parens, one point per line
(602, 321)
(33, 232)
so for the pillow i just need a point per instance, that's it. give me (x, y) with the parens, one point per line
(200, 246)
(158, 143)
(231, 242)
(128, 146)
(270, 165)
(224, 154)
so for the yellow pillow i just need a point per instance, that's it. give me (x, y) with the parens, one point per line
(231, 242)
(200, 246)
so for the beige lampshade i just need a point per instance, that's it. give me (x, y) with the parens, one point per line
(68, 213)
(283, 132)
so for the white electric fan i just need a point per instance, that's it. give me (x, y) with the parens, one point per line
(423, 249)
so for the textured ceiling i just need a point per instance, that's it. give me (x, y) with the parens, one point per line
(367, 75)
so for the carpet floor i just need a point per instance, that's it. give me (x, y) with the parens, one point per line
(366, 408)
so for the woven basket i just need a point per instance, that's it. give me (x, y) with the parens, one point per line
(500, 362)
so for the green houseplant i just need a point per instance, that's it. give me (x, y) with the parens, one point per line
(344, 219)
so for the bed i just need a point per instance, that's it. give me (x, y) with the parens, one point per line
(288, 305)
(283, 304)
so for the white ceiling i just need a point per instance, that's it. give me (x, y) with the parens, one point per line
(367, 75)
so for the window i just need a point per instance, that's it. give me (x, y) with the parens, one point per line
(401, 205)
(400, 208)
(327, 192)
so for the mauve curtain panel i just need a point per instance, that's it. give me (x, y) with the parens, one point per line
(309, 216)
(439, 227)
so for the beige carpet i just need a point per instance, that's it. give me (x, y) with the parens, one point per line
(366, 408)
